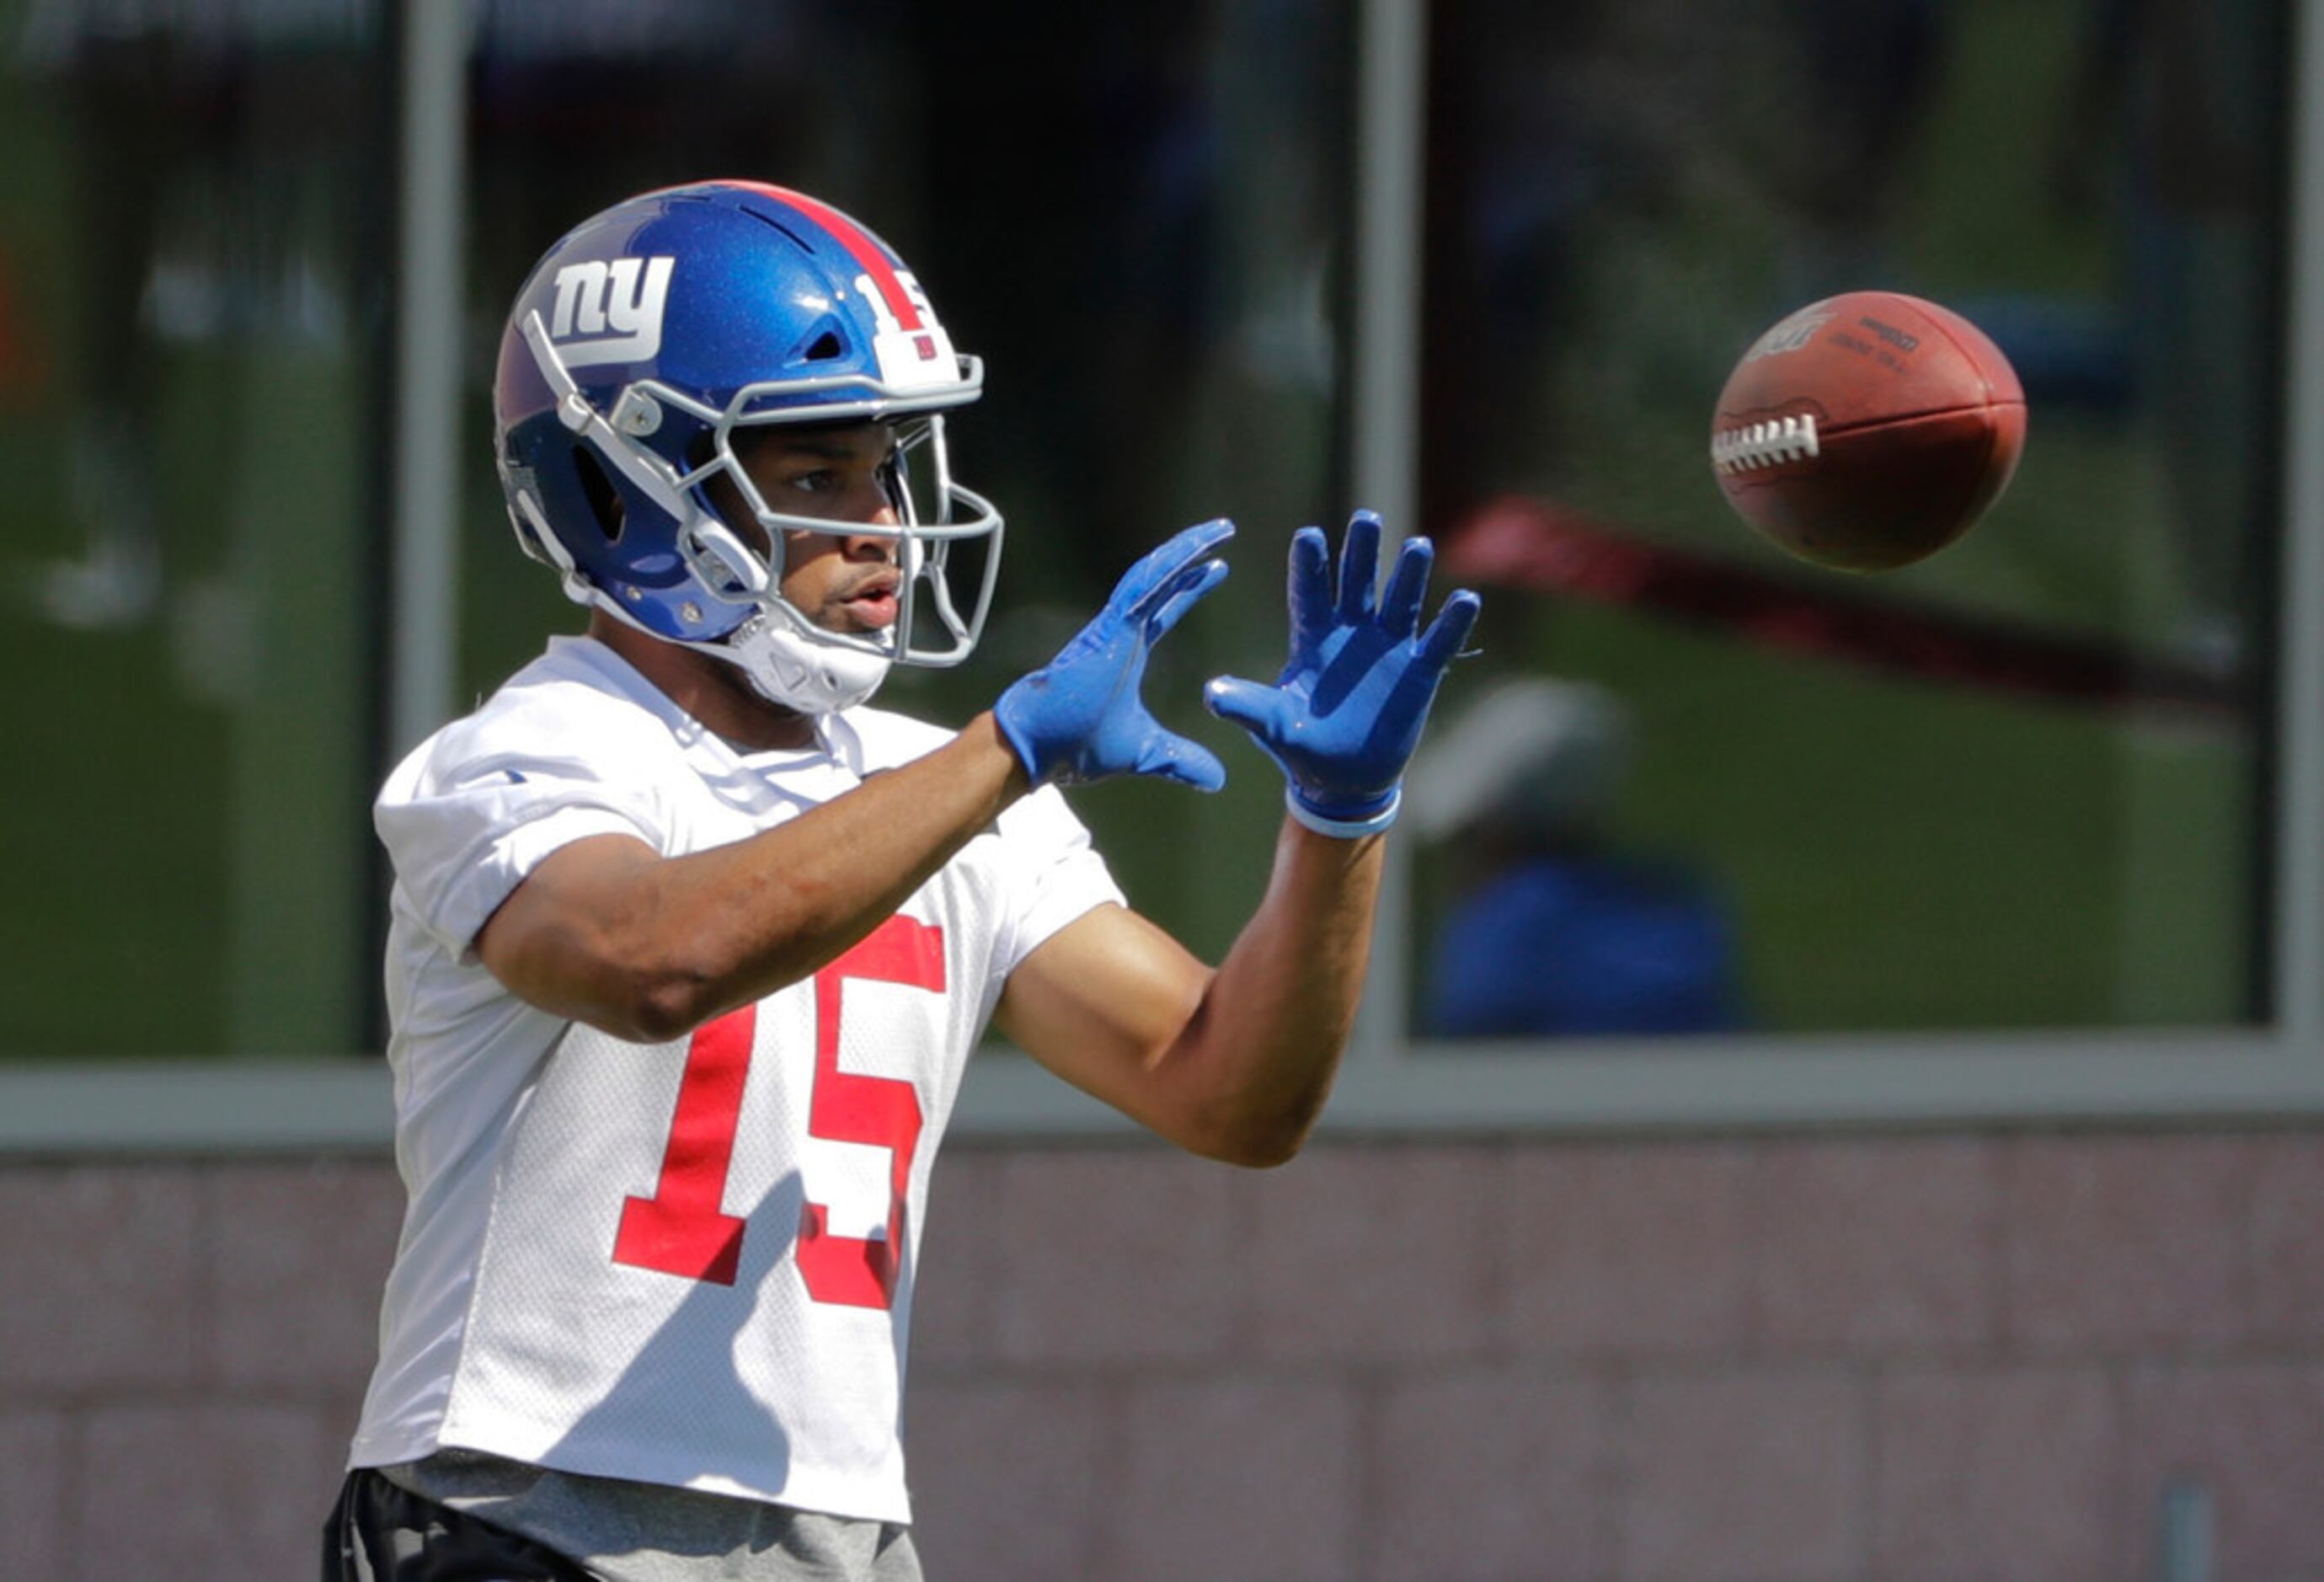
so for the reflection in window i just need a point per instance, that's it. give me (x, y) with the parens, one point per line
(2022, 784)
(1552, 925)
(190, 296)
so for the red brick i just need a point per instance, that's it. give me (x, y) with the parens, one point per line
(1234, 1479)
(2253, 1436)
(31, 1495)
(1730, 1479)
(1376, 1253)
(1875, 1245)
(2128, 1241)
(210, 1491)
(302, 1253)
(103, 1277)
(1631, 1249)
(2288, 1240)
(1492, 1476)
(2008, 1476)
(1005, 1479)
(1114, 1254)
(952, 1290)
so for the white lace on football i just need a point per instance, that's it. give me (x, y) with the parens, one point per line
(1764, 444)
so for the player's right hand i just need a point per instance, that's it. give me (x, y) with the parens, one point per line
(1079, 717)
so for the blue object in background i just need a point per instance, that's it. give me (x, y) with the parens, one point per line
(1584, 944)
(1554, 932)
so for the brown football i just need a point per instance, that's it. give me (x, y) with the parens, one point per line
(1868, 431)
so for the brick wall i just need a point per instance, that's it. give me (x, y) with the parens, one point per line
(1910, 1360)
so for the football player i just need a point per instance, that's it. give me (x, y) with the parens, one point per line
(690, 946)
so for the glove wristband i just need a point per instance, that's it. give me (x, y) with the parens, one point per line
(1344, 828)
(1019, 743)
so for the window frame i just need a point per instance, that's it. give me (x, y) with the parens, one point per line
(1772, 1080)
(1389, 1083)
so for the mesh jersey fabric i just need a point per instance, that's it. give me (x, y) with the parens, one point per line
(687, 1263)
(647, 1532)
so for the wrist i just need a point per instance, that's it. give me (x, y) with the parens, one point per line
(987, 732)
(1020, 741)
(1349, 820)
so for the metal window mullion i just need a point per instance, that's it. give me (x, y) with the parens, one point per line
(423, 638)
(2299, 843)
(1384, 408)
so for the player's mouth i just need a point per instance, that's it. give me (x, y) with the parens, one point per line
(870, 606)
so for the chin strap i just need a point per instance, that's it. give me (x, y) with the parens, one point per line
(796, 672)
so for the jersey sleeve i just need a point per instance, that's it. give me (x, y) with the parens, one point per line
(475, 810)
(1057, 875)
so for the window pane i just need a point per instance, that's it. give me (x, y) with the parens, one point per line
(190, 294)
(2020, 784)
(1136, 237)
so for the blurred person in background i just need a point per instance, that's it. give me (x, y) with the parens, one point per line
(194, 222)
(690, 946)
(1556, 932)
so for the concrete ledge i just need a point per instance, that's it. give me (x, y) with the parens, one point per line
(342, 1103)
(196, 1106)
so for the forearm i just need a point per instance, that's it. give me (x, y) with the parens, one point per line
(1340, 721)
(1267, 1039)
(656, 945)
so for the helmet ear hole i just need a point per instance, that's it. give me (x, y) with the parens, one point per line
(604, 500)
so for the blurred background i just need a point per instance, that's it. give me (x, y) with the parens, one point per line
(1714, 818)
(2043, 803)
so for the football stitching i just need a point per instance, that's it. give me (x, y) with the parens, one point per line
(1770, 443)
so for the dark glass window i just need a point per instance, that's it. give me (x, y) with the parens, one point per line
(192, 290)
(2019, 785)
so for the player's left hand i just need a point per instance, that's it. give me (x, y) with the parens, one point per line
(1079, 717)
(1344, 718)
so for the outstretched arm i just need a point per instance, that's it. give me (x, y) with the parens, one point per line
(1233, 1064)
(609, 931)
(1236, 1063)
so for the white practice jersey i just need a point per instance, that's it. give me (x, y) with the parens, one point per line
(688, 1263)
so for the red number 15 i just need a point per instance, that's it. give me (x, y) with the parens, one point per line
(682, 1229)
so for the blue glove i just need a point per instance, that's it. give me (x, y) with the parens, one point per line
(1079, 717)
(1346, 713)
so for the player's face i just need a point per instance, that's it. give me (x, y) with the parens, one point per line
(841, 580)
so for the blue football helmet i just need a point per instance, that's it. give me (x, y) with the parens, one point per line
(644, 339)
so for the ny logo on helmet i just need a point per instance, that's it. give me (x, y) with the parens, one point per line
(615, 308)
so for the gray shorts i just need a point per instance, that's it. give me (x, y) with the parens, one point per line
(627, 1531)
